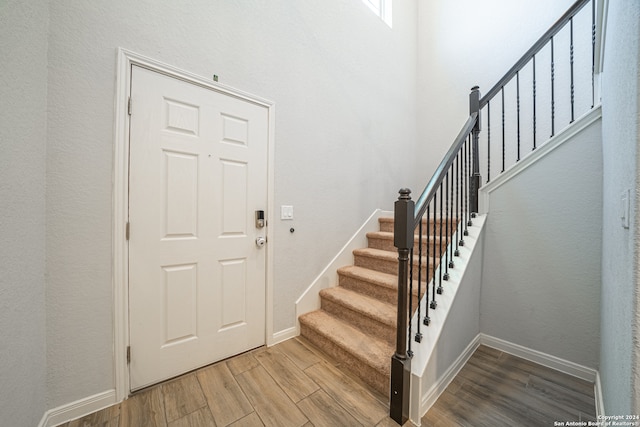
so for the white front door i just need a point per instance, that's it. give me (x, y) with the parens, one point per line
(198, 173)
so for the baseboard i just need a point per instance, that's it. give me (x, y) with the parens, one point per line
(544, 359)
(283, 335)
(91, 404)
(78, 409)
(553, 362)
(439, 386)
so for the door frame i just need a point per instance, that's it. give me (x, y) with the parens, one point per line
(125, 61)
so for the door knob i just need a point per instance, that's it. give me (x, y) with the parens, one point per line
(260, 241)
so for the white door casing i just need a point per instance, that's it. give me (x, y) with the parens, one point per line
(198, 172)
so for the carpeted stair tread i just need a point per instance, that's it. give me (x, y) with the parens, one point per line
(384, 240)
(376, 253)
(371, 351)
(372, 308)
(384, 280)
(386, 223)
(388, 235)
(385, 255)
(357, 320)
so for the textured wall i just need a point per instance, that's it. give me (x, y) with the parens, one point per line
(541, 272)
(619, 351)
(23, 91)
(344, 87)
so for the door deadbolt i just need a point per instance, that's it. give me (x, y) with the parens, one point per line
(260, 223)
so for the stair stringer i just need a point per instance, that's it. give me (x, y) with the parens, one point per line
(310, 299)
(451, 338)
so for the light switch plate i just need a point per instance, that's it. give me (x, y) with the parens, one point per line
(286, 212)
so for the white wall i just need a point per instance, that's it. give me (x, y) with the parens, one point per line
(541, 272)
(23, 87)
(464, 43)
(620, 346)
(344, 85)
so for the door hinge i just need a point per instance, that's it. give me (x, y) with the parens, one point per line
(128, 354)
(129, 106)
(127, 231)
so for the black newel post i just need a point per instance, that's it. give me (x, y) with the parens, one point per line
(401, 362)
(474, 184)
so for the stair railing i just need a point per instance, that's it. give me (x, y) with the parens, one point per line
(566, 53)
(445, 202)
(449, 202)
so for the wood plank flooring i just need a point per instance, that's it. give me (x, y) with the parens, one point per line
(497, 389)
(295, 384)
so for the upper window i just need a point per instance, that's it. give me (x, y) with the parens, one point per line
(382, 8)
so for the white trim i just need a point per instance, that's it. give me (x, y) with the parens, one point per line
(384, 10)
(597, 390)
(126, 59)
(544, 359)
(78, 409)
(424, 351)
(560, 138)
(328, 277)
(120, 215)
(270, 217)
(432, 395)
(553, 362)
(283, 335)
(602, 10)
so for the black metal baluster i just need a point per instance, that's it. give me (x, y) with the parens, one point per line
(409, 351)
(488, 142)
(446, 252)
(451, 226)
(553, 99)
(440, 226)
(518, 112)
(418, 336)
(503, 148)
(466, 187)
(593, 53)
(434, 304)
(427, 319)
(469, 166)
(571, 62)
(459, 202)
(534, 102)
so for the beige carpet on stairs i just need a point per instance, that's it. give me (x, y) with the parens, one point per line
(357, 321)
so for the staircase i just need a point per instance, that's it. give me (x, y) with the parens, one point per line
(357, 321)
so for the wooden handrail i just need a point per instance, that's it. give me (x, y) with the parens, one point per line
(427, 194)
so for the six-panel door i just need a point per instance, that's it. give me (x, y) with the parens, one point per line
(198, 172)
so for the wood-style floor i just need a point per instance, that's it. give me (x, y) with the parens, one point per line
(295, 384)
(497, 389)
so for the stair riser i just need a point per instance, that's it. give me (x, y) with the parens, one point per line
(387, 245)
(434, 227)
(359, 321)
(381, 293)
(380, 381)
(387, 266)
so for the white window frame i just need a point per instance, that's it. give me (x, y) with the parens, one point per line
(382, 8)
